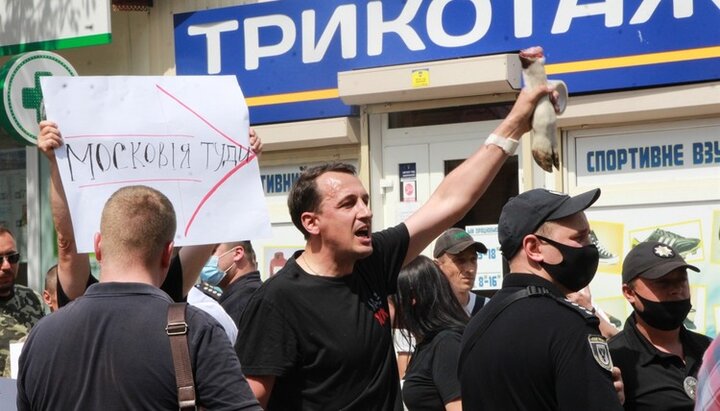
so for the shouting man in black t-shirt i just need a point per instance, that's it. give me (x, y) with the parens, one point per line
(317, 334)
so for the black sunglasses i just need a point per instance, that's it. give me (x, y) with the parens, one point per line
(11, 258)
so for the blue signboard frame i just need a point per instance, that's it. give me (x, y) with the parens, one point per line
(594, 46)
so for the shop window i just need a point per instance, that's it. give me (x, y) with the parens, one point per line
(504, 186)
(487, 209)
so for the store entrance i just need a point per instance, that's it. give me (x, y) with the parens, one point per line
(417, 157)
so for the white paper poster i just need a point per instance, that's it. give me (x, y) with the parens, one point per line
(185, 136)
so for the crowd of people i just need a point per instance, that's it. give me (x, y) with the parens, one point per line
(317, 334)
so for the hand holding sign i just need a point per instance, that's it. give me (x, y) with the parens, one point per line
(185, 136)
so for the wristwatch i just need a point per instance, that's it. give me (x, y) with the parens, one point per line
(508, 145)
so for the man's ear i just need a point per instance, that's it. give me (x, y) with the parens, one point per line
(46, 297)
(97, 243)
(239, 253)
(309, 221)
(629, 294)
(167, 254)
(531, 247)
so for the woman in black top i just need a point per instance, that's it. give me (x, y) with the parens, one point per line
(428, 309)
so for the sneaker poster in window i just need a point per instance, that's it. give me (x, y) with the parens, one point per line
(685, 237)
(608, 238)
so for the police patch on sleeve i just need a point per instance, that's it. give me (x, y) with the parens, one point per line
(600, 351)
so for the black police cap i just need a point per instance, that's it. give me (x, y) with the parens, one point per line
(652, 260)
(523, 214)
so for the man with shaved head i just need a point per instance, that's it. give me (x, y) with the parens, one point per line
(109, 348)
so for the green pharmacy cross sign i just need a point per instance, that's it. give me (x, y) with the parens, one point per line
(21, 93)
(32, 96)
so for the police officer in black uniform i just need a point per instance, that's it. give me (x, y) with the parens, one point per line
(530, 348)
(659, 357)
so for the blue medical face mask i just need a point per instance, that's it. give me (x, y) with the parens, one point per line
(211, 273)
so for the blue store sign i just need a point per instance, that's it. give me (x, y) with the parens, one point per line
(286, 54)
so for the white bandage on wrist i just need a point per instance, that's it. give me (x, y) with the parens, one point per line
(508, 145)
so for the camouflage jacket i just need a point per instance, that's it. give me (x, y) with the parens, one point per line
(17, 316)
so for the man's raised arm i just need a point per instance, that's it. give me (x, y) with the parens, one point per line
(73, 268)
(461, 189)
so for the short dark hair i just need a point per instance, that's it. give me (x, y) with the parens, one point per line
(304, 195)
(247, 247)
(426, 303)
(249, 251)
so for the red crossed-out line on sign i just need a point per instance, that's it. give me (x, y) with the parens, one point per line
(251, 156)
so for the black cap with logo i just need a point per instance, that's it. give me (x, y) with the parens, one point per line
(652, 260)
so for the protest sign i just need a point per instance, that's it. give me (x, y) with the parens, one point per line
(185, 136)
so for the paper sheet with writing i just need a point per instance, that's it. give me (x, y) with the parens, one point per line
(185, 136)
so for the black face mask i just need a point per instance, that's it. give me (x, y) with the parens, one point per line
(577, 268)
(664, 315)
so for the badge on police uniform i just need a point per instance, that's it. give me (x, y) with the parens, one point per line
(690, 385)
(600, 351)
(210, 290)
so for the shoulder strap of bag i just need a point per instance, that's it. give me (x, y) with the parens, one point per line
(491, 312)
(177, 330)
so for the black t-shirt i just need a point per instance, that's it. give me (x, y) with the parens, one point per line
(108, 350)
(235, 297)
(173, 284)
(431, 378)
(654, 380)
(327, 340)
(538, 354)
